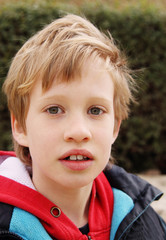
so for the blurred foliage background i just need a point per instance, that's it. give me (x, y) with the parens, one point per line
(139, 28)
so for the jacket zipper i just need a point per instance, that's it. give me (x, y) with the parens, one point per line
(10, 234)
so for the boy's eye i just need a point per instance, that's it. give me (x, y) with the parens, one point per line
(54, 110)
(95, 111)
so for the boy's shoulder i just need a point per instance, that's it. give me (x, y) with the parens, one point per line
(131, 184)
(17, 224)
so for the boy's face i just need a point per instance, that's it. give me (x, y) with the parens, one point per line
(70, 128)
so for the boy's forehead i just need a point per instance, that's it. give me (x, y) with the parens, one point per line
(92, 72)
(91, 66)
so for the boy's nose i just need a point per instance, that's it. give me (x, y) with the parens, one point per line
(77, 131)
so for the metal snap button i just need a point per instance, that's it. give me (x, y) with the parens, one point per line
(55, 212)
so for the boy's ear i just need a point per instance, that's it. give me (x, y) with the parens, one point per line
(18, 132)
(116, 129)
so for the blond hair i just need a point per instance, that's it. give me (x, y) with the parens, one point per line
(58, 52)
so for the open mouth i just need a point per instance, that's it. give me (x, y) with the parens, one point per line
(77, 155)
(77, 158)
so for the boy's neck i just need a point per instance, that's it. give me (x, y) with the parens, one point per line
(76, 205)
(73, 202)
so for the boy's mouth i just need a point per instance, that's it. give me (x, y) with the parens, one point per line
(76, 158)
(77, 155)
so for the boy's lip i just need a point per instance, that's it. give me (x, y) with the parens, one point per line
(83, 152)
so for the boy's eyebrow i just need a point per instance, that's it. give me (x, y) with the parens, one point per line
(53, 97)
(97, 99)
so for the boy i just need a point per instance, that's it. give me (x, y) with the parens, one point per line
(68, 89)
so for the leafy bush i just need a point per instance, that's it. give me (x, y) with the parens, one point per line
(141, 34)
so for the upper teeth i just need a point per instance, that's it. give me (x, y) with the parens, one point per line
(77, 157)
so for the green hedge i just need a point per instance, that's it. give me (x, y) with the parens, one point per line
(142, 35)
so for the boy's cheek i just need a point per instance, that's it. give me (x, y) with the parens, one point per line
(18, 132)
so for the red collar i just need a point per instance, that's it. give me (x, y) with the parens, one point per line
(101, 208)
